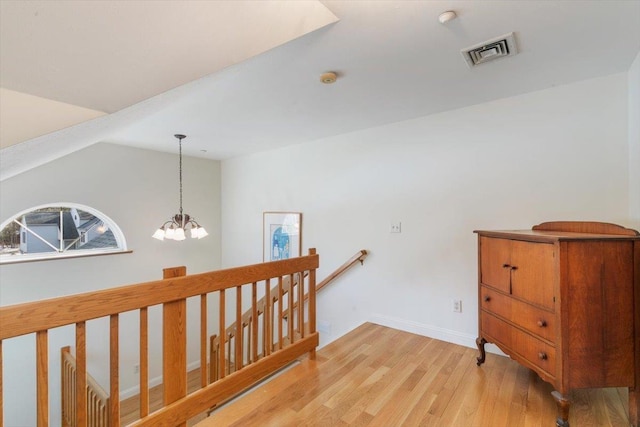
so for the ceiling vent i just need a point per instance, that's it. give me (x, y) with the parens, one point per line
(490, 50)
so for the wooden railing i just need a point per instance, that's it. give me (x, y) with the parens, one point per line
(358, 257)
(98, 403)
(240, 350)
(279, 298)
(39, 317)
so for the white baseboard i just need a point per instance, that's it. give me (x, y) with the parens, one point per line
(134, 391)
(431, 331)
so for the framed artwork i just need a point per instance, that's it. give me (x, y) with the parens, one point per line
(282, 235)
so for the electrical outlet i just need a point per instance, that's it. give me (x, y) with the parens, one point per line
(136, 369)
(457, 306)
(396, 227)
(324, 326)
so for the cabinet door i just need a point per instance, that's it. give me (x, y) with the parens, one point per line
(532, 272)
(494, 259)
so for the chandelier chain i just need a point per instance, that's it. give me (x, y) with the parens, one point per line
(180, 171)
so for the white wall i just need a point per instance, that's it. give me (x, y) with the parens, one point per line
(634, 142)
(138, 189)
(557, 154)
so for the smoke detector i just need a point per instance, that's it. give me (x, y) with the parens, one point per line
(447, 16)
(490, 50)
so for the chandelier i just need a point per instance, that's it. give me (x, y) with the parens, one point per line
(174, 228)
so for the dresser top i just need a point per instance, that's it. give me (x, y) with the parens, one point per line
(551, 232)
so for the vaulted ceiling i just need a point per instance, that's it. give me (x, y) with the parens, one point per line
(244, 76)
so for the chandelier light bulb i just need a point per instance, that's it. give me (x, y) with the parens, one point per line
(159, 234)
(179, 234)
(202, 233)
(169, 233)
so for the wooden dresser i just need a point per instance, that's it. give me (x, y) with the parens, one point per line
(563, 299)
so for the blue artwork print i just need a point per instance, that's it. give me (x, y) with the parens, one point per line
(280, 243)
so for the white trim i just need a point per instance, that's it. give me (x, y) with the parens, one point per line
(431, 331)
(47, 256)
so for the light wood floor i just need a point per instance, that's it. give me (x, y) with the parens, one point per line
(377, 376)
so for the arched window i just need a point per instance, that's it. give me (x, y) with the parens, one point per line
(60, 230)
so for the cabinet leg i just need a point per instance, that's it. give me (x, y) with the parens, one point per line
(480, 342)
(634, 407)
(563, 409)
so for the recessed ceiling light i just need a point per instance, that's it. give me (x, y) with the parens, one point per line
(447, 16)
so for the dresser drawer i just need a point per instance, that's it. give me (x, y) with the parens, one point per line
(520, 343)
(537, 321)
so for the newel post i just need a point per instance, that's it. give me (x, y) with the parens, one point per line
(174, 344)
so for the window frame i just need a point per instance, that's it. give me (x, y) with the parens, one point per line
(121, 241)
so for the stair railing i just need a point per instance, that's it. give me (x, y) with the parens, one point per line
(253, 352)
(98, 403)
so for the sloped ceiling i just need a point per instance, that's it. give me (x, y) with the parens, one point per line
(394, 60)
(108, 55)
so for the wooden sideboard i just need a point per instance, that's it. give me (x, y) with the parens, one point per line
(563, 299)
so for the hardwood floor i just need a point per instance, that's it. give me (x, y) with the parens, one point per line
(377, 376)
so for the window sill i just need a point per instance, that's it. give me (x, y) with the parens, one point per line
(18, 259)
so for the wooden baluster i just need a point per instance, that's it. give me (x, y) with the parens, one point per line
(67, 387)
(144, 362)
(223, 335)
(81, 375)
(114, 366)
(254, 319)
(213, 359)
(203, 340)
(42, 375)
(290, 316)
(63, 386)
(239, 338)
(231, 360)
(312, 304)
(280, 313)
(249, 333)
(301, 304)
(267, 320)
(174, 344)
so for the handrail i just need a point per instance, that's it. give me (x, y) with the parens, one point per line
(360, 256)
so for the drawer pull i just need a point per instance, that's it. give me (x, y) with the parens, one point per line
(542, 355)
(487, 298)
(513, 267)
(506, 266)
(542, 323)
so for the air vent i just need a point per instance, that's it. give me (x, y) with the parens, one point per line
(490, 50)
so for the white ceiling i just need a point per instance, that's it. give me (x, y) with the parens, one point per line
(395, 61)
(108, 55)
